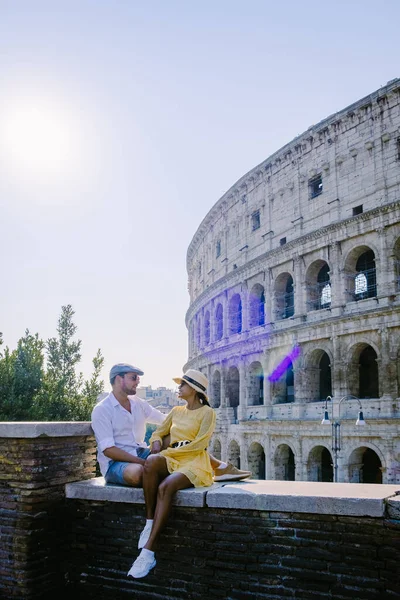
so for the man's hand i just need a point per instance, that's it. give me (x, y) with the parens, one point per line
(156, 447)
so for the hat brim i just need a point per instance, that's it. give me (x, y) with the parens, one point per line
(179, 380)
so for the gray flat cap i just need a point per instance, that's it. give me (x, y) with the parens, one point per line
(122, 368)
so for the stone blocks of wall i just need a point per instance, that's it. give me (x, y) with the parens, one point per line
(36, 461)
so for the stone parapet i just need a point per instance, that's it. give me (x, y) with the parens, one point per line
(346, 499)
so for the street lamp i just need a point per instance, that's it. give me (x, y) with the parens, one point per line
(336, 428)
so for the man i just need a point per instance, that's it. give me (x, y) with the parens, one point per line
(119, 423)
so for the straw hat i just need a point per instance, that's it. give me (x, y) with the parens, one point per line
(197, 380)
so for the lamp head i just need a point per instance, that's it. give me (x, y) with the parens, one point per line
(360, 420)
(325, 420)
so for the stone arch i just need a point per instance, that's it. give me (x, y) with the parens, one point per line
(360, 270)
(215, 398)
(233, 388)
(216, 448)
(256, 460)
(284, 296)
(283, 386)
(320, 464)
(219, 322)
(257, 306)
(319, 375)
(255, 384)
(318, 285)
(364, 466)
(363, 372)
(284, 463)
(206, 327)
(234, 453)
(235, 314)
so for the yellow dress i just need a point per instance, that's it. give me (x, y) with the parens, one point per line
(192, 460)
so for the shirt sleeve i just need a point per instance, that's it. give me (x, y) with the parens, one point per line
(163, 429)
(202, 438)
(103, 429)
(152, 414)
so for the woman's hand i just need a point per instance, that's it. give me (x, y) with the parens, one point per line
(156, 447)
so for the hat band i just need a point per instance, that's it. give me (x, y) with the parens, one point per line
(190, 380)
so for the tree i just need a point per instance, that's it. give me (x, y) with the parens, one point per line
(21, 377)
(28, 391)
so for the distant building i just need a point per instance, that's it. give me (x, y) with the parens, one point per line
(161, 398)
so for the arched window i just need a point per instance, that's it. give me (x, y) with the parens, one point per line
(257, 306)
(216, 390)
(368, 374)
(365, 280)
(284, 296)
(219, 322)
(324, 288)
(256, 384)
(207, 328)
(289, 384)
(235, 314)
(325, 377)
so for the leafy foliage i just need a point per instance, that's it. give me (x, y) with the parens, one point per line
(29, 391)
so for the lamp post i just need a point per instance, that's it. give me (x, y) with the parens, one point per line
(336, 439)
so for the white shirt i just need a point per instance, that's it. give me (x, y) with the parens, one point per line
(113, 425)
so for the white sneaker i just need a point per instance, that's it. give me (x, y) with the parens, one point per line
(144, 536)
(143, 564)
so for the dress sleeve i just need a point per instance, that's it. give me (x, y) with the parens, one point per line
(202, 438)
(163, 429)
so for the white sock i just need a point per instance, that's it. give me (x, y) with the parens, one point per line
(149, 522)
(149, 552)
(223, 465)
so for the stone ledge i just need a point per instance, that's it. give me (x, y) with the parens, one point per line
(343, 499)
(96, 489)
(33, 429)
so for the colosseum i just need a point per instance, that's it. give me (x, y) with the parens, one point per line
(294, 283)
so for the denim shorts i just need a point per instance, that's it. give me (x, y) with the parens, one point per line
(116, 468)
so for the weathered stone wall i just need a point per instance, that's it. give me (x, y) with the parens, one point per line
(297, 234)
(355, 151)
(36, 461)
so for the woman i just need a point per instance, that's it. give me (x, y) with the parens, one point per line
(184, 464)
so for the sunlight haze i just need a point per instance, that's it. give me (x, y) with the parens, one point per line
(122, 123)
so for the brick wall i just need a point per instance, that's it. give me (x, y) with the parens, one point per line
(34, 468)
(255, 539)
(234, 554)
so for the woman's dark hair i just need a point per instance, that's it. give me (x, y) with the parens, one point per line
(203, 399)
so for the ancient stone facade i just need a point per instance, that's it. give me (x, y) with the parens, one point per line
(294, 283)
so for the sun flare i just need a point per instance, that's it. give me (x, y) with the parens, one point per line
(37, 139)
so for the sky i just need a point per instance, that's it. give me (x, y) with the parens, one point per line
(123, 122)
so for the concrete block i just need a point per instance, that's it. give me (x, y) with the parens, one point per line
(346, 499)
(96, 489)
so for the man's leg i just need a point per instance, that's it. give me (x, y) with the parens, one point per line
(133, 475)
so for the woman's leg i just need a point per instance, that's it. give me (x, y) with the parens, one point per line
(166, 491)
(155, 470)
